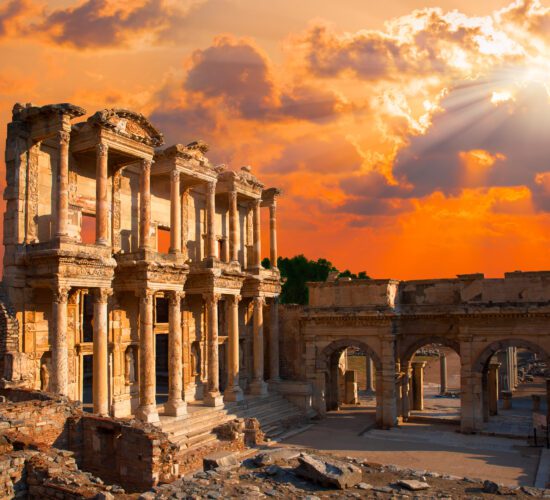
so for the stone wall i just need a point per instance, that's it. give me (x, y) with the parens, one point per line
(291, 345)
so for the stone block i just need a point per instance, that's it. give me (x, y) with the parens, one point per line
(329, 473)
(220, 459)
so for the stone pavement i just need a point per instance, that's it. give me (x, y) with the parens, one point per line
(436, 447)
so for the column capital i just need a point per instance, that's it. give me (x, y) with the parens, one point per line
(211, 186)
(232, 195)
(146, 164)
(259, 301)
(102, 149)
(235, 299)
(64, 136)
(175, 297)
(146, 295)
(61, 294)
(175, 175)
(102, 295)
(255, 203)
(212, 297)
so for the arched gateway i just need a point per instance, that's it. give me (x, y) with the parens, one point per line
(390, 320)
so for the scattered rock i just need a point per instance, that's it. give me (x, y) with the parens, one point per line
(364, 486)
(490, 487)
(532, 492)
(413, 484)
(329, 473)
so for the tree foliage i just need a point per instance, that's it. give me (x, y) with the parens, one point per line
(298, 270)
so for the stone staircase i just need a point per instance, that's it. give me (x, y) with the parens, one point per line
(274, 412)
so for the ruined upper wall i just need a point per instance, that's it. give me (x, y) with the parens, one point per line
(515, 288)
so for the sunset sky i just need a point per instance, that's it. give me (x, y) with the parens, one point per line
(411, 138)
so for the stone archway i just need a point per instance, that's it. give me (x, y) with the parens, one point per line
(486, 403)
(412, 392)
(327, 364)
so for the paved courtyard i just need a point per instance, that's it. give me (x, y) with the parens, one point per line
(432, 447)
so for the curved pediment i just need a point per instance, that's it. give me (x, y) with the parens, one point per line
(129, 124)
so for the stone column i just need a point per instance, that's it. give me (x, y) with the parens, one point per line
(147, 410)
(62, 220)
(492, 389)
(274, 340)
(418, 384)
(370, 374)
(175, 405)
(184, 222)
(385, 384)
(257, 237)
(233, 227)
(213, 396)
(100, 359)
(258, 386)
(101, 197)
(175, 212)
(211, 244)
(233, 392)
(548, 399)
(145, 205)
(273, 255)
(443, 372)
(406, 394)
(60, 351)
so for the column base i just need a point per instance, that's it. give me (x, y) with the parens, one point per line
(213, 399)
(258, 388)
(175, 408)
(233, 394)
(148, 414)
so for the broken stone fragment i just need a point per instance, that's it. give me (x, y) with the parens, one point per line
(490, 487)
(219, 459)
(413, 484)
(329, 472)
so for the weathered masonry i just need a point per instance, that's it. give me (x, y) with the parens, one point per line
(390, 320)
(133, 272)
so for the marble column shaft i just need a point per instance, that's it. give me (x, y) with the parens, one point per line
(418, 384)
(233, 391)
(147, 410)
(257, 236)
(60, 352)
(370, 374)
(492, 388)
(102, 202)
(175, 405)
(211, 248)
(443, 372)
(62, 220)
(145, 205)
(258, 386)
(100, 348)
(175, 212)
(233, 227)
(273, 255)
(274, 340)
(213, 396)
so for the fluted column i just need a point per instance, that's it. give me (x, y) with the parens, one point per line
(257, 237)
(273, 255)
(100, 358)
(258, 386)
(175, 213)
(418, 384)
(370, 374)
(62, 221)
(175, 405)
(443, 372)
(233, 392)
(211, 246)
(274, 340)
(184, 222)
(233, 227)
(102, 202)
(60, 353)
(147, 410)
(213, 396)
(145, 205)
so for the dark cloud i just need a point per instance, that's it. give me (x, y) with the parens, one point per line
(98, 23)
(309, 103)
(334, 154)
(373, 184)
(235, 71)
(9, 12)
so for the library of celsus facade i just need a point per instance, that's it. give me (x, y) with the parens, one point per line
(134, 272)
